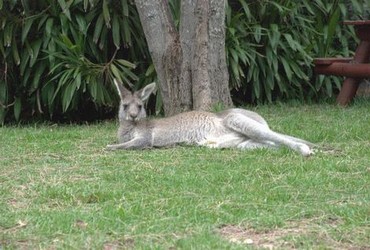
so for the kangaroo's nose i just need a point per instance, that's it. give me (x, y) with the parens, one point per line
(133, 116)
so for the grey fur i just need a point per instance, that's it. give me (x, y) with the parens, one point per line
(237, 128)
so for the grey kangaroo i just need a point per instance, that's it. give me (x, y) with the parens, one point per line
(235, 127)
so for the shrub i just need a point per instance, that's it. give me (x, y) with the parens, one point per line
(60, 56)
(271, 44)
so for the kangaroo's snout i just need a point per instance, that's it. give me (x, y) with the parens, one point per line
(134, 110)
(132, 116)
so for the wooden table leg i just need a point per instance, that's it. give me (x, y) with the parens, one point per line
(350, 85)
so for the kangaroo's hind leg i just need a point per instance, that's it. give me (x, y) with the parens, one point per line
(262, 134)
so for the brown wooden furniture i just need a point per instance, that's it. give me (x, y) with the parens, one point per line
(354, 69)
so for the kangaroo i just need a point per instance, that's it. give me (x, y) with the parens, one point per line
(234, 127)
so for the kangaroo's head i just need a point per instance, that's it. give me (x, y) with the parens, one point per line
(132, 104)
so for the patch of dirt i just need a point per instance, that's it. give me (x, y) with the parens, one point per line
(17, 204)
(126, 244)
(284, 238)
(19, 245)
(19, 225)
(268, 240)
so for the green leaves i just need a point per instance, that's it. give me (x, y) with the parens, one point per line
(59, 55)
(116, 32)
(17, 108)
(270, 46)
(76, 75)
(106, 13)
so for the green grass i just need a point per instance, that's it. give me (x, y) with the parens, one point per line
(61, 190)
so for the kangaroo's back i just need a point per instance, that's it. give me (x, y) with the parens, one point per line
(189, 127)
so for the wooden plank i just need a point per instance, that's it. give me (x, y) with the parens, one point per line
(357, 22)
(330, 60)
(356, 70)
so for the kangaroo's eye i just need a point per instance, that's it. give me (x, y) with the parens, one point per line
(139, 106)
(125, 106)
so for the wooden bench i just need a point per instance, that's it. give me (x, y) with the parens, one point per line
(331, 60)
(341, 67)
(354, 69)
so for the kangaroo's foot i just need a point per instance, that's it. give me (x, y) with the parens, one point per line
(304, 149)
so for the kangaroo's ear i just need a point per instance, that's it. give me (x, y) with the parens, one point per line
(122, 91)
(145, 92)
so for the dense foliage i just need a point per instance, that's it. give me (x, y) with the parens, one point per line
(59, 56)
(271, 45)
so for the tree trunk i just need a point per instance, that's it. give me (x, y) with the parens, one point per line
(191, 63)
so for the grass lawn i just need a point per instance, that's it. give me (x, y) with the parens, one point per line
(61, 190)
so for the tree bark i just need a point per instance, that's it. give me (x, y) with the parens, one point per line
(163, 43)
(191, 63)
